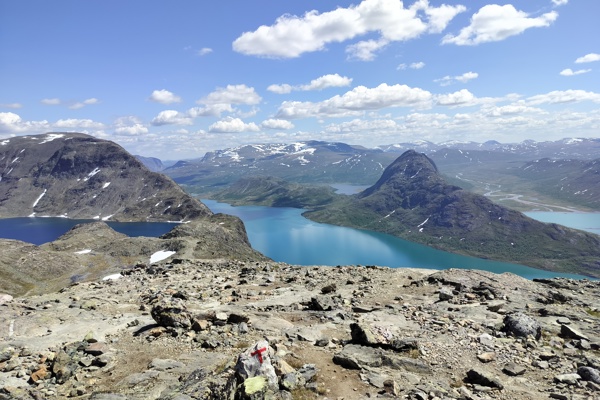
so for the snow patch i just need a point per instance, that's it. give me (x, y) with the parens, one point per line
(303, 160)
(105, 185)
(94, 172)
(423, 223)
(160, 255)
(4, 142)
(52, 136)
(86, 251)
(107, 217)
(39, 198)
(112, 277)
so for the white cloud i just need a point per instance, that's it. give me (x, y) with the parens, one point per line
(280, 89)
(12, 123)
(356, 101)
(448, 80)
(232, 94)
(11, 105)
(130, 126)
(291, 36)
(204, 51)
(493, 23)
(588, 58)
(511, 109)
(361, 125)
(322, 82)
(164, 97)
(365, 50)
(232, 125)
(564, 96)
(457, 99)
(326, 81)
(276, 124)
(51, 102)
(81, 104)
(72, 123)
(415, 65)
(9, 119)
(211, 110)
(570, 72)
(560, 2)
(171, 117)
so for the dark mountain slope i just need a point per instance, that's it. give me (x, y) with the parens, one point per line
(78, 176)
(411, 200)
(275, 192)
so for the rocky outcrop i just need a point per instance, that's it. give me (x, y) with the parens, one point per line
(78, 176)
(200, 329)
(94, 250)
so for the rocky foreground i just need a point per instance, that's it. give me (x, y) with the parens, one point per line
(190, 329)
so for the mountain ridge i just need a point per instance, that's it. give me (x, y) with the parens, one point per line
(412, 201)
(78, 176)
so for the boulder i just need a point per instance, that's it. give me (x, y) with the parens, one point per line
(589, 374)
(522, 325)
(379, 336)
(571, 333)
(171, 312)
(484, 379)
(256, 361)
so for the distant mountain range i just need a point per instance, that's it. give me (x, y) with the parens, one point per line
(479, 167)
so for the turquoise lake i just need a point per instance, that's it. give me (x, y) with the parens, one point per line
(283, 234)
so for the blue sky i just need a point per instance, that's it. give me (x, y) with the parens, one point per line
(177, 79)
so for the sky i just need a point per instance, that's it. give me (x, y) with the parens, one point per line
(177, 79)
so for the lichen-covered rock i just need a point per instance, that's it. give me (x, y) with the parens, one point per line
(256, 361)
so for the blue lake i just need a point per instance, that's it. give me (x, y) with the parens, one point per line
(585, 221)
(40, 230)
(284, 235)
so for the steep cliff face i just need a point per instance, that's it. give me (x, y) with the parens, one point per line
(78, 176)
(411, 200)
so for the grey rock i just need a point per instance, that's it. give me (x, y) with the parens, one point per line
(571, 332)
(589, 374)
(445, 294)
(355, 356)
(484, 379)
(171, 312)
(308, 372)
(522, 325)
(292, 380)
(329, 288)
(570, 379)
(363, 357)
(322, 303)
(513, 369)
(165, 364)
(373, 335)
(256, 361)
